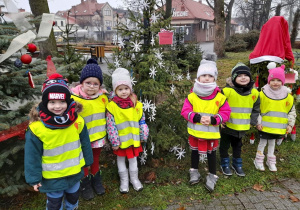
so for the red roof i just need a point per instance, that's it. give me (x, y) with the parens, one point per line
(195, 10)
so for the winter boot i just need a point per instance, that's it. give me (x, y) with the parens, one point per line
(194, 176)
(237, 166)
(124, 181)
(134, 180)
(271, 163)
(211, 180)
(259, 162)
(86, 188)
(225, 166)
(97, 183)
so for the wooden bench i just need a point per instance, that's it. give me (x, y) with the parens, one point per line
(95, 51)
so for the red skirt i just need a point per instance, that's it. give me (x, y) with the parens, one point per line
(129, 152)
(203, 146)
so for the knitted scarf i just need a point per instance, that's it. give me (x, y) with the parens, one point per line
(281, 93)
(58, 122)
(204, 89)
(123, 103)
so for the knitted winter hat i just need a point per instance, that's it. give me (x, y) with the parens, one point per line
(207, 67)
(121, 76)
(240, 68)
(92, 69)
(276, 73)
(56, 88)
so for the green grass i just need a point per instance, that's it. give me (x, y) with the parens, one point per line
(171, 185)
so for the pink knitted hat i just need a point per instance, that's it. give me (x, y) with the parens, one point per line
(277, 73)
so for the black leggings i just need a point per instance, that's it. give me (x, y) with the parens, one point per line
(211, 159)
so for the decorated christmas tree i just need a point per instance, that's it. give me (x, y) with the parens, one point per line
(161, 74)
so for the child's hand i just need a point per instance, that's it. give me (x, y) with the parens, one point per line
(36, 187)
(205, 120)
(259, 127)
(115, 148)
(289, 129)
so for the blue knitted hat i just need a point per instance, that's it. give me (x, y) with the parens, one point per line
(92, 69)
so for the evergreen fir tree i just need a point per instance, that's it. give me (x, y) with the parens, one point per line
(158, 72)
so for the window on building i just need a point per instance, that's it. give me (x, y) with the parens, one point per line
(211, 31)
(107, 12)
(56, 23)
(108, 23)
(115, 23)
(62, 23)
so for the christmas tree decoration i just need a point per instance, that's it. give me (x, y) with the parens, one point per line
(152, 72)
(165, 37)
(161, 64)
(143, 159)
(26, 59)
(50, 66)
(53, 23)
(133, 81)
(154, 18)
(257, 82)
(152, 42)
(158, 55)
(174, 149)
(121, 44)
(31, 47)
(172, 89)
(298, 94)
(117, 63)
(136, 46)
(188, 76)
(180, 153)
(180, 77)
(152, 148)
(30, 80)
(293, 133)
(202, 158)
(18, 63)
(252, 138)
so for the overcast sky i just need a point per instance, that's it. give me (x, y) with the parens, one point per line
(55, 5)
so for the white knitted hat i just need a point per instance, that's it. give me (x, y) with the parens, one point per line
(207, 67)
(121, 76)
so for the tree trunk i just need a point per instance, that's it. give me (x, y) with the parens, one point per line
(168, 9)
(228, 19)
(295, 27)
(38, 7)
(219, 28)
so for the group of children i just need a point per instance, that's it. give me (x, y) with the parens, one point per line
(68, 129)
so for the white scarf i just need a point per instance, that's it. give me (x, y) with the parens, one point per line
(281, 93)
(204, 89)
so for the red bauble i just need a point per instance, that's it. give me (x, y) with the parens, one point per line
(31, 47)
(26, 59)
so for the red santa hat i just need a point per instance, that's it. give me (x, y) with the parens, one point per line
(274, 42)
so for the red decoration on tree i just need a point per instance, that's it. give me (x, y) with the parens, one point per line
(18, 130)
(53, 24)
(298, 93)
(293, 133)
(252, 138)
(50, 66)
(30, 80)
(31, 47)
(257, 81)
(26, 59)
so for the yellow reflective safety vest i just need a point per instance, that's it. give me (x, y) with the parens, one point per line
(127, 123)
(275, 113)
(62, 155)
(241, 108)
(205, 108)
(93, 114)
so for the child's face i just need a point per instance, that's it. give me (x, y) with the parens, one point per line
(275, 84)
(57, 107)
(242, 79)
(91, 86)
(206, 78)
(123, 91)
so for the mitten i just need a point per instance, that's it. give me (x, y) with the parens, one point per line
(213, 120)
(197, 118)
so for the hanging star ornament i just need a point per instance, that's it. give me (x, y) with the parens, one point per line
(117, 63)
(152, 42)
(158, 55)
(144, 4)
(136, 46)
(174, 149)
(172, 89)
(143, 160)
(121, 44)
(161, 64)
(152, 72)
(133, 81)
(180, 153)
(188, 76)
(154, 18)
(147, 105)
(179, 77)
(203, 158)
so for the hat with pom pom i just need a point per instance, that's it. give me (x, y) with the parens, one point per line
(119, 77)
(207, 67)
(92, 69)
(56, 88)
(276, 73)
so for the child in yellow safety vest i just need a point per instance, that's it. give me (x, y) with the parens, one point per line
(90, 94)
(57, 145)
(205, 109)
(277, 116)
(126, 128)
(244, 102)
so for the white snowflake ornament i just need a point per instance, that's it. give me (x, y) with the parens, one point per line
(154, 18)
(188, 76)
(174, 149)
(143, 160)
(152, 42)
(172, 89)
(121, 44)
(136, 46)
(180, 153)
(158, 55)
(203, 158)
(133, 81)
(179, 77)
(147, 105)
(152, 148)
(152, 72)
(117, 63)
(161, 64)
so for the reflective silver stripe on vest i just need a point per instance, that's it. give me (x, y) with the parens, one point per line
(62, 165)
(128, 124)
(239, 121)
(274, 125)
(241, 110)
(92, 117)
(275, 114)
(96, 129)
(197, 127)
(129, 136)
(62, 149)
(205, 114)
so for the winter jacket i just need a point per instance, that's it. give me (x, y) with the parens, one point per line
(254, 114)
(33, 161)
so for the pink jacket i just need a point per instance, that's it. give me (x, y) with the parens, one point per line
(221, 117)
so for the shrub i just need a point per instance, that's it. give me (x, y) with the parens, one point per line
(242, 42)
